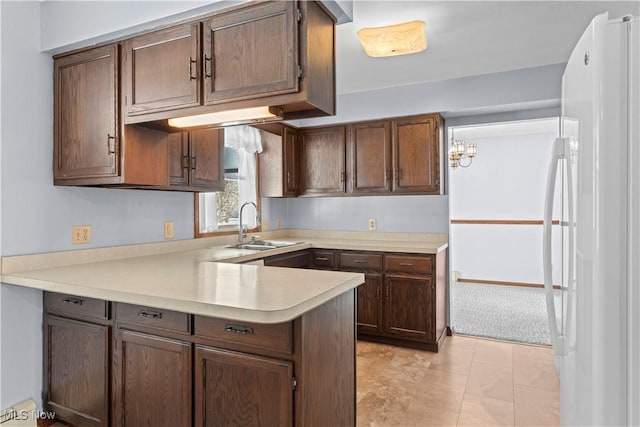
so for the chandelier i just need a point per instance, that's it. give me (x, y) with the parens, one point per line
(460, 152)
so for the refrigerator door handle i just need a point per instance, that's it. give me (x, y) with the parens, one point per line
(556, 156)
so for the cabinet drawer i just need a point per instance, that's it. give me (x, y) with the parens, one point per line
(324, 259)
(76, 307)
(138, 317)
(408, 263)
(276, 337)
(299, 259)
(359, 260)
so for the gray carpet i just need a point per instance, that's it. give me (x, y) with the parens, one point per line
(510, 313)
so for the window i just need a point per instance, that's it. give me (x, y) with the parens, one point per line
(219, 212)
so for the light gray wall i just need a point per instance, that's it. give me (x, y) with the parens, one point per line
(36, 216)
(424, 214)
(530, 88)
(83, 29)
(491, 97)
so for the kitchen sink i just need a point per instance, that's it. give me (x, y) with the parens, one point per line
(261, 245)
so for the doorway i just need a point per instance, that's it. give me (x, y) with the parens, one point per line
(496, 205)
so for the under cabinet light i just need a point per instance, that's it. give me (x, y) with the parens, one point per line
(399, 39)
(229, 117)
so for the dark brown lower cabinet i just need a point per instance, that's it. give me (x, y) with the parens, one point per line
(407, 306)
(152, 381)
(368, 299)
(233, 388)
(124, 365)
(402, 300)
(76, 380)
(298, 259)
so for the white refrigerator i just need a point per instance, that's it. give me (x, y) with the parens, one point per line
(595, 165)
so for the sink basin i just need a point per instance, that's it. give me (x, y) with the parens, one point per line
(261, 245)
(251, 246)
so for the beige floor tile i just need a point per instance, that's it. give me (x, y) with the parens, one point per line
(494, 353)
(460, 341)
(536, 372)
(453, 360)
(470, 382)
(536, 352)
(486, 412)
(536, 407)
(491, 381)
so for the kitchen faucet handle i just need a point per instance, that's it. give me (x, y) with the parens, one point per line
(255, 237)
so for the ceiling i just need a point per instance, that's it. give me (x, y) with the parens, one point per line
(466, 38)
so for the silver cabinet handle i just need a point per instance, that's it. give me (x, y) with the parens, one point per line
(150, 314)
(238, 329)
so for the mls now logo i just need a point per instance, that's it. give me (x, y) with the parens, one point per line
(25, 414)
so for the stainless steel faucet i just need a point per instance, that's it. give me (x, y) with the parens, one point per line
(242, 229)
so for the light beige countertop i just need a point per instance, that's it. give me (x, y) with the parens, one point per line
(201, 276)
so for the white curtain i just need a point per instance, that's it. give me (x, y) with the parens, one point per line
(247, 141)
(208, 212)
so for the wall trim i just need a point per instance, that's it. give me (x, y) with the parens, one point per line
(503, 283)
(501, 221)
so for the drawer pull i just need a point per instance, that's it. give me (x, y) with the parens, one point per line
(150, 314)
(360, 261)
(406, 264)
(73, 301)
(322, 258)
(237, 329)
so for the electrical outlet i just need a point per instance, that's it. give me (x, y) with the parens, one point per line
(278, 224)
(168, 229)
(265, 224)
(80, 234)
(372, 224)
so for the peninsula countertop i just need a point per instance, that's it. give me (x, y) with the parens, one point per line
(182, 282)
(202, 280)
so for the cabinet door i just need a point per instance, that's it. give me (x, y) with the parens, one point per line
(323, 166)
(152, 381)
(206, 148)
(240, 389)
(408, 307)
(291, 163)
(77, 371)
(178, 158)
(368, 299)
(251, 52)
(416, 160)
(369, 158)
(86, 135)
(162, 70)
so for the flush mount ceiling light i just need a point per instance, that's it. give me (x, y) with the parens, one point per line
(392, 40)
(229, 118)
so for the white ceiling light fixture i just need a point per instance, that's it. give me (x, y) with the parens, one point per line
(393, 40)
(229, 117)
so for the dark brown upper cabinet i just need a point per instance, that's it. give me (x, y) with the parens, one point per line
(416, 155)
(323, 161)
(279, 161)
(279, 54)
(392, 156)
(91, 147)
(86, 133)
(251, 52)
(196, 160)
(369, 158)
(162, 70)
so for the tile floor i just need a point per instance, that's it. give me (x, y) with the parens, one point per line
(471, 382)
